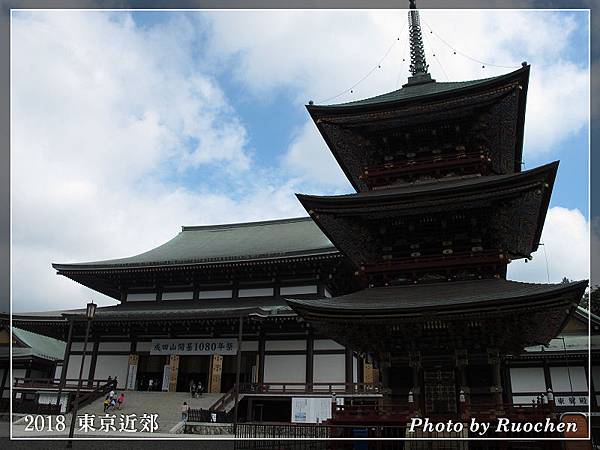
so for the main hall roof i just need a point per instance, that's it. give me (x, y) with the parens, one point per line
(282, 238)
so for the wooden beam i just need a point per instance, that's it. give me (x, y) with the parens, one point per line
(310, 350)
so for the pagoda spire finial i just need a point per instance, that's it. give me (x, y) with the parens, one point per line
(418, 64)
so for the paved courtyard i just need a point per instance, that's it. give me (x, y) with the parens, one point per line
(166, 404)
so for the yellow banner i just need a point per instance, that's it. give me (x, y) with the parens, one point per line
(215, 373)
(174, 363)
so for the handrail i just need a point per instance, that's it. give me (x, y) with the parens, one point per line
(23, 382)
(223, 400)
(99, 391)
(318, 388)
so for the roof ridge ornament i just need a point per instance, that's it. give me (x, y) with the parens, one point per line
(418, 64)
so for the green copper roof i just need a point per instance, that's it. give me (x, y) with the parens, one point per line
(38, 345)
(417, 90)
(228, 243)
(424, 89)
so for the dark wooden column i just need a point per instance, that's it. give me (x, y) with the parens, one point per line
(414, 361)
(310, 360)
(321, 288)
(3, 386)
(494, 361)
(349, 368)
(506, 388)
(547, 377)
(92, 370)
(65, 364)
(261, 358)
(360, 369)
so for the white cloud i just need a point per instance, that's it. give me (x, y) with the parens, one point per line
(309, 158)
(567, 247)
(103, 113)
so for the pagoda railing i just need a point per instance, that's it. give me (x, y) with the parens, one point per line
(426, 164)
(454, 260)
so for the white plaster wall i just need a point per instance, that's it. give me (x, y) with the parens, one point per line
(327, 344)
(112, 366)
(141, 297)
(596, 377)
(255, 292)
(298, 290)
(560, 379)
(57, 372)
(18, 373)
(143, 346)
(180, 295)
(329, 368)
(524, 399)
(75, 365)
(227, 293)
(527, 379)
(114, 346)
(250, 346)
(285, 368)
(285, 345)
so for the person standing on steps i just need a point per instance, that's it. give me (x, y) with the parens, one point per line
(185, 408)
(192, 388)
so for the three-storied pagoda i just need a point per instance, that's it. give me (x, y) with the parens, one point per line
(442, 208)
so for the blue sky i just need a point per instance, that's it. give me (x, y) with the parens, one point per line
(128, 125)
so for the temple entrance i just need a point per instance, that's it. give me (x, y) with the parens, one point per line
(400, 382)
(150, 373)
(193, 368)
(440, 391)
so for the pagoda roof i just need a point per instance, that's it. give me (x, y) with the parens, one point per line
(440, 317)
(434, 188)
(347, 127)
(273, 239)
(422, 298)
(421, 91)
(334, 214)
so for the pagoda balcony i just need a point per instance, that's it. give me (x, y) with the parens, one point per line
(451, 261)
(471, 163)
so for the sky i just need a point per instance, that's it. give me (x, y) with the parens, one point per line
(128, 125)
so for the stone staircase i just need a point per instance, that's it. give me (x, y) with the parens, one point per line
(166, 404)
